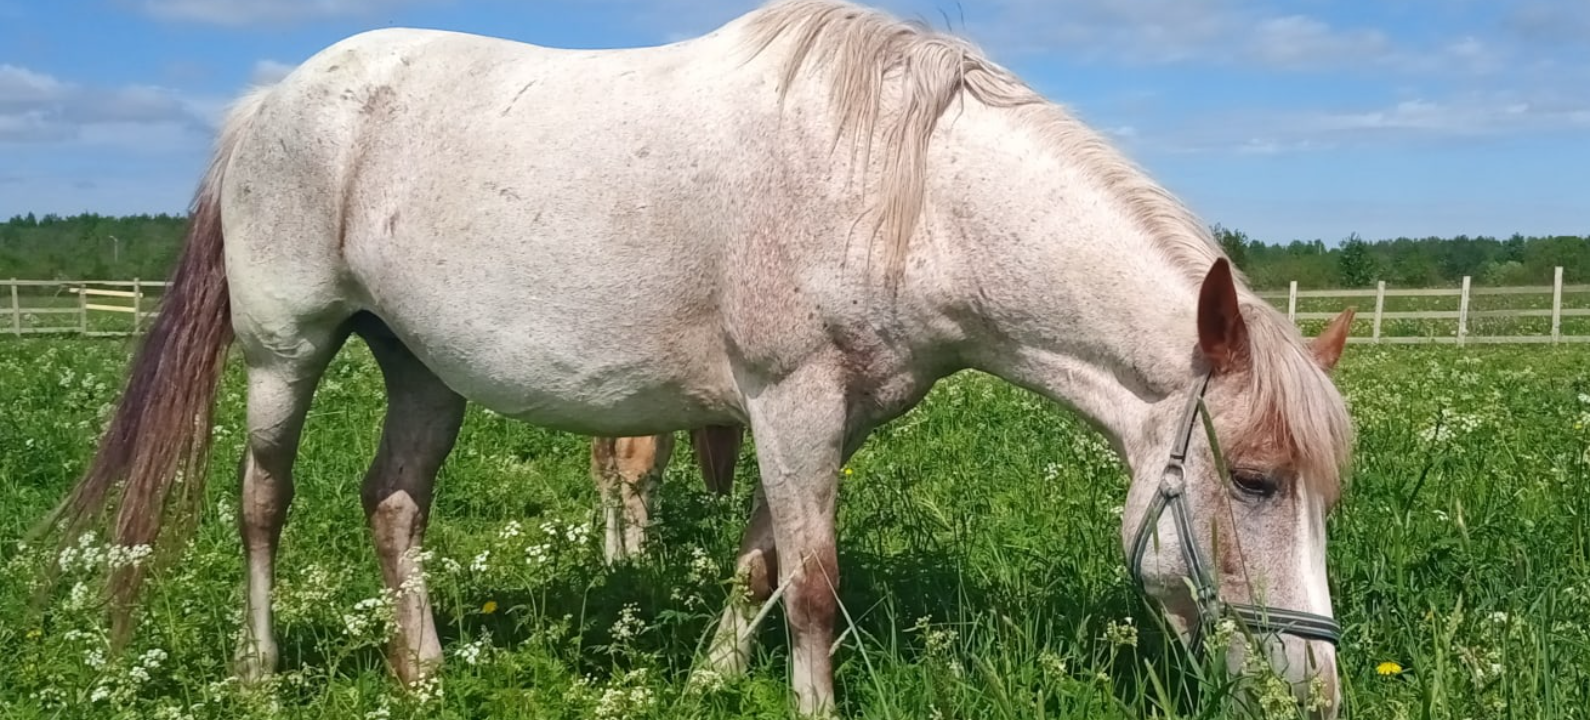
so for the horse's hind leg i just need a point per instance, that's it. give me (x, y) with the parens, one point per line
(626, 471)
(717, 450)
(280, 388)
(423, 417)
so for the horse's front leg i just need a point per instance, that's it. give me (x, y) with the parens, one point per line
(800, 427)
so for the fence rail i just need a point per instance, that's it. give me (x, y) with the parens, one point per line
(77, 299)
(1465, 294)
(135, 299)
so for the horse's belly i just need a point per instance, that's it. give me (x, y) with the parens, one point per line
(572, 374)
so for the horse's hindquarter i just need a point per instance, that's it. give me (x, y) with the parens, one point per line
(543, 227)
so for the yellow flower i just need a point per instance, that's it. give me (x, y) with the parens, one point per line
(490, 607)
(848, 471)
(1388, 668)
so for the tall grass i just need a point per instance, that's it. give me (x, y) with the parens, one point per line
(980, 546)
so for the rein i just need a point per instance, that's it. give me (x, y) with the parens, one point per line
(1171, 495)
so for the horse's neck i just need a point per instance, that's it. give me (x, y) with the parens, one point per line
(1078, 302)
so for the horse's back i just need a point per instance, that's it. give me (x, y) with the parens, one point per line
(536, 224)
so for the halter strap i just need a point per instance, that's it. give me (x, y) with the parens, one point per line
(1171, 495)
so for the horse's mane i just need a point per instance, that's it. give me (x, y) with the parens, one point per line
(866, 52)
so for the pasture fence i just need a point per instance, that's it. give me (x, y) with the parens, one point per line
(1510, 309)
(79, 307)
(119, 308)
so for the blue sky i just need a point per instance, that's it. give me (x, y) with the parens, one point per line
(1288, 119)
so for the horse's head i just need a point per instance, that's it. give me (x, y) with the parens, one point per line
(1229, 535)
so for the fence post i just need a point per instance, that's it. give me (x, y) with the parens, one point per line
(82, 309)
(1463, 312)
(1380, 305)
(137, 304)
(1291, 302)
(1557, 305)
(16, 310)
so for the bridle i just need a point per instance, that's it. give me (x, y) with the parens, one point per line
(1171, 494)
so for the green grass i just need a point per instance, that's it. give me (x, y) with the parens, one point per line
(979, 545)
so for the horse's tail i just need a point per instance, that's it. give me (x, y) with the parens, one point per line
(154, 453)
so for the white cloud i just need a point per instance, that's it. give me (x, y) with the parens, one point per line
(39, 108)
(1457, 117)
(1126, 31)
(1452, 119)
(238, 13)
(268, 72)
(1536, 22)
(21, 87)
(1298, 41)
(1149, 32)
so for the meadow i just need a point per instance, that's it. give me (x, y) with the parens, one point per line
(980, 545)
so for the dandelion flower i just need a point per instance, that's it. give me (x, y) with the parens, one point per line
(1388, 668)
(490, 607)
(848, 471)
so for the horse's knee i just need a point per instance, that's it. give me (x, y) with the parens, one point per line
(813, 595)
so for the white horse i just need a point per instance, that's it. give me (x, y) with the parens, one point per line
(796, 223)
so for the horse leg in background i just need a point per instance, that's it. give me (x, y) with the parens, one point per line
(280, 388)
(423, 417)
(717, 450)
(626, 471)
(757, 568)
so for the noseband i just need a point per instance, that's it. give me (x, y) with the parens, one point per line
(1172, 495)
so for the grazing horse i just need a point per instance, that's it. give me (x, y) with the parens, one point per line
(796, 223)
(627, 469)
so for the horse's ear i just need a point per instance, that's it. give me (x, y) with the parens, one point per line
(1327, 347)
(1222, 333)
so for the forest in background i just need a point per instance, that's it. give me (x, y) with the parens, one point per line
(100, 247)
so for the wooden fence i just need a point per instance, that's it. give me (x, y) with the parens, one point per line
(73, 301)
(1462, 315)
(135, 299)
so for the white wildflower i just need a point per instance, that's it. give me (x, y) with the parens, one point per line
(702, 568)
(510, 531)
(472, 652)
(629, 625)
(78, 599)
(1121, 633)
(121, 556)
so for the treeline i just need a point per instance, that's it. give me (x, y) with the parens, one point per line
(1409, 262)
(90, 247)
(99, 247)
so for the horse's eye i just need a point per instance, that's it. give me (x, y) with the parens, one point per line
(1254, 483)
